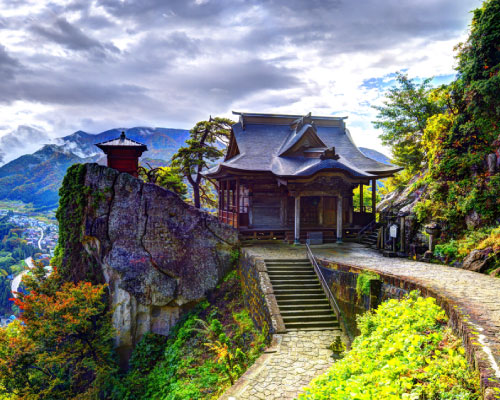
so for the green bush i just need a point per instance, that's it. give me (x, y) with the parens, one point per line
(364, 282)
(405, 351)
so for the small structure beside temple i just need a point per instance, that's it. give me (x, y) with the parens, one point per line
(123, 153)
(292, 177)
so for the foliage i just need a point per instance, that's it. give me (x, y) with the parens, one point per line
(405, 351)
(61, 349)
(460, 192)
(202, 148)
(206, 351)
(73, 196)
(168, 177)
(403, 118)
(364, 281)
(13, 251)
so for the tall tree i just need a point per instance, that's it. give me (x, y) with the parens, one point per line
(168, 177)
(62, 347)
(207, 143)
(403, 119)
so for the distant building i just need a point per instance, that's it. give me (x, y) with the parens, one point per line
(290, 175)
(123, 153)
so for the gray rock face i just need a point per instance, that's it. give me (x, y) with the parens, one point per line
(477, 260)
(158, 254)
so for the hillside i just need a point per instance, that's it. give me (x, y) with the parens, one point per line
(448, 141)
(36, 178)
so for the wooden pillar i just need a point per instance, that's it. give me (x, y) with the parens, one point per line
(351, 206)
(320, 211)
(374, 198)
(360, 197)
(237, 202)
(297, 220)
(339, 219)
(250, 206)
(221, 210)
(228, 201)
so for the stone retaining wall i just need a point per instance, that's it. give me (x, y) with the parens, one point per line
(258, 294)
(342, 280)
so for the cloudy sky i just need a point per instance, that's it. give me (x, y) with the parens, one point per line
(100, 64)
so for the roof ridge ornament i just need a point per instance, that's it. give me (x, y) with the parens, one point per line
(329, 154)
(299, 123)
(122, 136)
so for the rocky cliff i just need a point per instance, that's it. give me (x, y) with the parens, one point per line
(158, 254)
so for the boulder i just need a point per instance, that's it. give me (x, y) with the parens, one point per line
(477, 260)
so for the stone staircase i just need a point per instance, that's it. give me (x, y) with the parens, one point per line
(303, 304)
(369, 239)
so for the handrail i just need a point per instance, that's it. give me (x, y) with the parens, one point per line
(365, 228)
(326, 289)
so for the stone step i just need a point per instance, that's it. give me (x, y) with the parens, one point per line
(315, 324)
(293, 280)
(300, 296)
(305, 307)
(291, 272)
(327, 328)
(296, 285)
(309, 318)
(291, 302)
(305, 292)
(312, 311)
(286, 260)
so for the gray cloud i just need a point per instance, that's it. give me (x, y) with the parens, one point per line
(22, 140)
(172, 62)
(8, 65)
(71, 37)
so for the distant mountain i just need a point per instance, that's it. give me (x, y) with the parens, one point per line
(36, 178)
(375, 155)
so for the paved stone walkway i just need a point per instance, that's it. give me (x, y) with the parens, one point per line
(299, 357)
(476, 296)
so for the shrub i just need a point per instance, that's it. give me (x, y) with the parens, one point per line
(405, 351)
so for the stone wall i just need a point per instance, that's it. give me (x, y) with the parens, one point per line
(342, 282)
(158, 254)
(258, 294)
(395, 287)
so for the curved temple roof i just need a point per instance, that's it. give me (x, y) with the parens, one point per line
(268, 143)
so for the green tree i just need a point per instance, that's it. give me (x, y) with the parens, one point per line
(207, 143)
(403, 119)
(168, 177)
(62, 348)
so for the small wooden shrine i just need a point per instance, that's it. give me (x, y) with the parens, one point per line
(286, 176)
(123, 153)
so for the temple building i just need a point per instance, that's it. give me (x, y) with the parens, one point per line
(123, 153)
(292, 177)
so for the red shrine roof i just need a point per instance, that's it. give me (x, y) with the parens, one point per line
(122, 141)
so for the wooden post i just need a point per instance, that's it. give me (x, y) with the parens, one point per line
(250, 206)
(297, 220)
(351, 206)
(360, 197)
(374, 198)
(222, 192)
(339, 219)
(320, 211)
(237, 202)
(228, 198)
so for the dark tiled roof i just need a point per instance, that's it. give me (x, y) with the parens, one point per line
(261, 143)
(121, 141)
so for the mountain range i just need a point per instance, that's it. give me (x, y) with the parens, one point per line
(35, 178)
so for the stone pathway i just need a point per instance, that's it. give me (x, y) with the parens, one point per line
(476, 296)
(281, 375)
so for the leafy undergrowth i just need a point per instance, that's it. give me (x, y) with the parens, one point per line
(405, 351)
(480, 239)
(207, 350)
